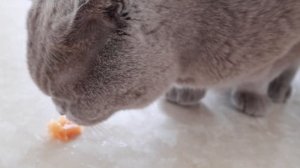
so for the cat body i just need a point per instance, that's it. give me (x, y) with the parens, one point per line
(96, 57)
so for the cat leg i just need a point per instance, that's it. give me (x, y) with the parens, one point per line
(251, 99)
(280, 88)
(185, 96)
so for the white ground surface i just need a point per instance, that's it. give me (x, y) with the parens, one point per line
(160, 136)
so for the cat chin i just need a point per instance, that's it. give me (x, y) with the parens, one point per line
(85, 120)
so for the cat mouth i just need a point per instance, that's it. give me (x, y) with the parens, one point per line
(81, 116)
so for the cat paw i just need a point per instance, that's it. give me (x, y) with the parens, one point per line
(279, 93)
(252, 104)
(185, 96)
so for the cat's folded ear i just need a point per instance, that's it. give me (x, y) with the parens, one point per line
(92, 8)
(93, 18)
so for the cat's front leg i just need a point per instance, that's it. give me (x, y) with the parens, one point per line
(185, 96)
(280, 88)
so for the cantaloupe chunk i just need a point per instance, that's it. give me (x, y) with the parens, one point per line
(63, 129)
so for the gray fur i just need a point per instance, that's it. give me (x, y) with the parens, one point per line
(95, 57)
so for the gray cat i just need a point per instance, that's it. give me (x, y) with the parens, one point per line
(95, 57)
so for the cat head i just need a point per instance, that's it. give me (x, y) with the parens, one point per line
(83, 58)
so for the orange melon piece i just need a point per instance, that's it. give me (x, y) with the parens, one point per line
(63, 129)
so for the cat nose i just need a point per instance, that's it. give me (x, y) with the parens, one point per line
(60, 110)
(60, 106)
